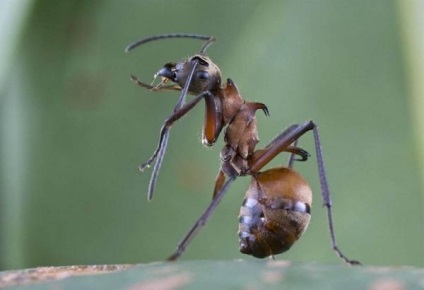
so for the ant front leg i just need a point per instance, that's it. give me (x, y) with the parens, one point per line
(179, 111)
(159, 153)
(282, 144)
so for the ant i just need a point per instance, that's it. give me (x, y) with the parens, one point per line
(276, 209)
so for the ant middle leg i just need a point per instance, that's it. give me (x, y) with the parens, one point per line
(202, 220)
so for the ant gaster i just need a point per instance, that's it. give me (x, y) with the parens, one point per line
(276, 208)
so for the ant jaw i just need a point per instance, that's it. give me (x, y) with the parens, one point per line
(166, 73)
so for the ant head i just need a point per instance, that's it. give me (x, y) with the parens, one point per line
(206, 75)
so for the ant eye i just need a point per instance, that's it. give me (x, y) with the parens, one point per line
(203, 75)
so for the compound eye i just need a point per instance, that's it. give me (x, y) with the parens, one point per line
(203, 75)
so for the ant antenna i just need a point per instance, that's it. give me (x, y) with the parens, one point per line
(209, 40)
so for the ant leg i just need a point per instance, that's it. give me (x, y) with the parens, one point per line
(184, 92)
(179, 111)
(201, 221)
(219, 182)
(279, 144)
(291, 158)
(304, 155)
(163, 141)
(326, 197)
(162, 150)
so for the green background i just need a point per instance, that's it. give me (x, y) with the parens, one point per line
(74, 128)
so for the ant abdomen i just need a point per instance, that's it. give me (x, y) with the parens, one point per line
(275, 212)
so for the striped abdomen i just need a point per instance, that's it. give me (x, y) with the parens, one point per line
(275, 212)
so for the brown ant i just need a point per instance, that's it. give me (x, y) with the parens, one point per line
(276, 208)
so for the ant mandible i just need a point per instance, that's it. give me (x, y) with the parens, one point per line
(276, 208)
